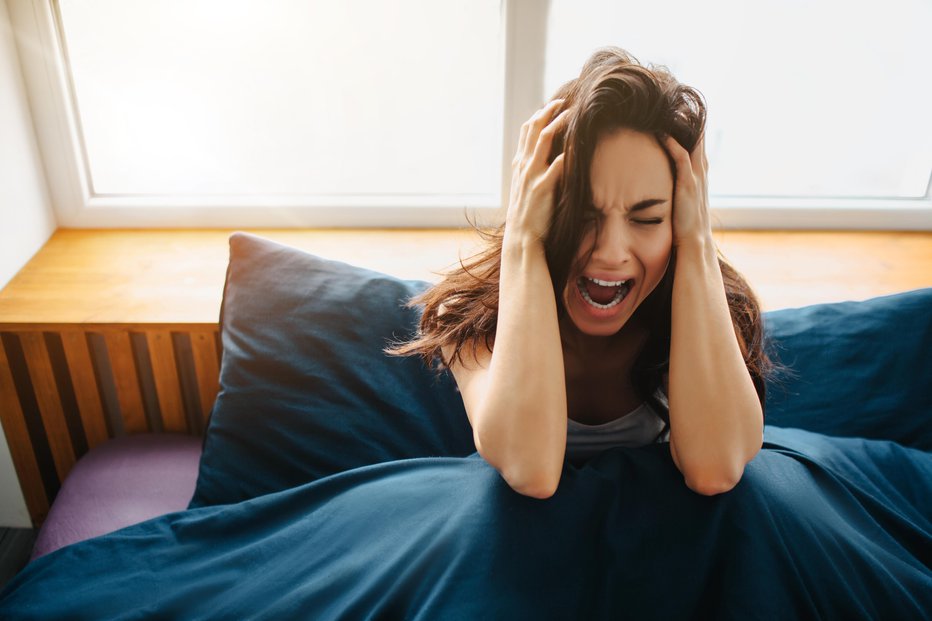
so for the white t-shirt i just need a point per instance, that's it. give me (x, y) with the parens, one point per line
(639, 427)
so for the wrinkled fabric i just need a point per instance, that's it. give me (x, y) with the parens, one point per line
(307, 392)
(818, 527)
(340, 483)
(857, 369)
(305, 388)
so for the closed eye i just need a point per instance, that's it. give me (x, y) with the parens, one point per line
(653, 221)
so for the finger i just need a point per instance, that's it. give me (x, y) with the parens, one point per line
(545, 140)
(686, 178)
(520, 154)
(549, 180)
(522, 138)
(679, 154)
(536, 124)
(698, 156)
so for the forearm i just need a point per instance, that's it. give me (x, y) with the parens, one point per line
(716, 420)
(522, 419)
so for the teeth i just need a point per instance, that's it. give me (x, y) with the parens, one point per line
(614, 302)
(607, 283)
(619, 295)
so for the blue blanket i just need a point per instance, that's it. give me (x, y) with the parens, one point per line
(819, 527)
(340, 483)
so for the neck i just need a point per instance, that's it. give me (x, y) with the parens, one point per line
(585, 351)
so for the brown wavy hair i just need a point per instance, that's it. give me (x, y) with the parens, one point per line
(613, 91)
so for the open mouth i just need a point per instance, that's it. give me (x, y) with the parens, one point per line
(602, 294)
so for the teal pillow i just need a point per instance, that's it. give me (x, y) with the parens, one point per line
(305, 389)
(859, 368)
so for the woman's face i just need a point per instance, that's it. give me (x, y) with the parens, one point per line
(636, 237)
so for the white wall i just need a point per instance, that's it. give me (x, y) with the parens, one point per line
(26, 219)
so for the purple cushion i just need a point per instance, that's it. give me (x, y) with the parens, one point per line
(119, 483)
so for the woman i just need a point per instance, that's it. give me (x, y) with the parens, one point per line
(603, 293)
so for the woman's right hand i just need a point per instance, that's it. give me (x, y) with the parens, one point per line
(533, 182)
(515, 395)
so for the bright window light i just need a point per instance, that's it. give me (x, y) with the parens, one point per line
(278, 97)
(806, 99)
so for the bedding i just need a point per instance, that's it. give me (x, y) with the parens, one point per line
(817, 528)
(305, 390)
(337, 482)
(121, 482)
(860, 369)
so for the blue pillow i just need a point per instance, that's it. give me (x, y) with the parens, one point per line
(859, 368)
(305, 389)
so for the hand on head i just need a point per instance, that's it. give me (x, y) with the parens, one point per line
(691, 219)
(533, 181)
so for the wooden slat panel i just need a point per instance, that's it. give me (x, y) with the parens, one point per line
(126, 380)
(78, 358)
(49, 400)
(17, 437)
(167, 384)
(207, 368)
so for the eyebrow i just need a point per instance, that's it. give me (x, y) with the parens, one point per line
(644, 204)
(650, 202)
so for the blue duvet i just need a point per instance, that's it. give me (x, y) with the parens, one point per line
(337, 483)
(819, 527)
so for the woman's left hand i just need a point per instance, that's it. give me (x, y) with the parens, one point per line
(691, 221)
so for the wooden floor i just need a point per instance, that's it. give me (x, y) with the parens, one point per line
(176, 276)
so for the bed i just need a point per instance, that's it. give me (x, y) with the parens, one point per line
(334, 482)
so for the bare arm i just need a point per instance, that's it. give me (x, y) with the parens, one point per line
(716, 419)
(515, 396)
(521, 418)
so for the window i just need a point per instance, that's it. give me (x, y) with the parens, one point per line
(813, 106)
(278, 112)
(406, 113)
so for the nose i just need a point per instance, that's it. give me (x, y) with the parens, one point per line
(613, 246)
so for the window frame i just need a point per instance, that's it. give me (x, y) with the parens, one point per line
(38, 29)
